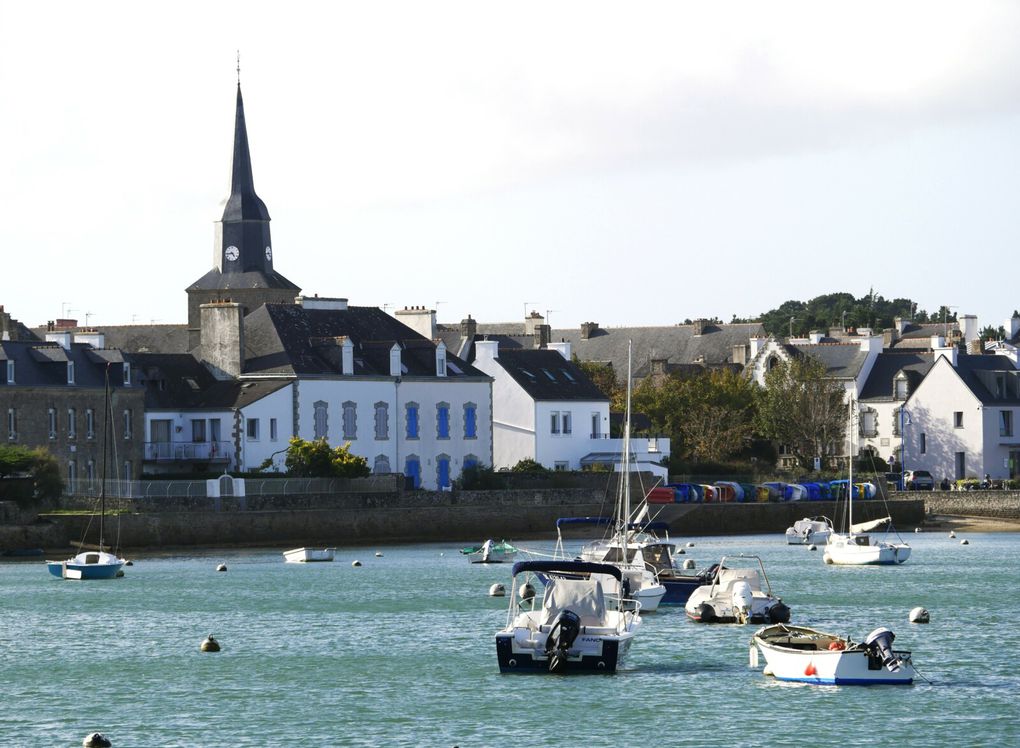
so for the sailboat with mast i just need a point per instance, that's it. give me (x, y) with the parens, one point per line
(97, 563)
(855, 547)
(621, 549)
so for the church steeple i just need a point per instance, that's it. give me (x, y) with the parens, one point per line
(243, 238)
(242, 251)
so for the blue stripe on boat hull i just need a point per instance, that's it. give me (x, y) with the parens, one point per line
(848, 681)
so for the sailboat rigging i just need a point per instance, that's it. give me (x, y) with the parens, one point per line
(95, 564)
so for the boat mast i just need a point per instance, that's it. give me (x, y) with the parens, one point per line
(850, 471)
(107, 413)
(624, 518)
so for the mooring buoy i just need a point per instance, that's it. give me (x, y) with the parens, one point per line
(527, 591)
(952, 533)
(221, 567)
(355, 563)
(919, 615)
(690, 544)
(917, 529)
(378, 554)
(497, 590)
(119, 574)
(812, 547)
(689, 563)
(210, 644)
(96, 740)
(129, 562)
(965, 542)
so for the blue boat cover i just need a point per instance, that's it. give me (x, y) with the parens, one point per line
(567, 567)
(583, 521)
(649, 526)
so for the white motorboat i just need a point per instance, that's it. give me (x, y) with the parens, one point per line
(798, 653)
(490, 552)
(809, 531)
(303, 555)
(855, 547)
(736, 595)
(575, 627)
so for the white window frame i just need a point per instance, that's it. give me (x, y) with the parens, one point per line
(566, 423)
(320, 419)
(273, 431)
(554, 422)
(70, 372)
(10, 372)
(72, 423)
(51, 414)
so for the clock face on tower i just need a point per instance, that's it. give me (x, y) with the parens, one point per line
(231, 253)
(269, 253)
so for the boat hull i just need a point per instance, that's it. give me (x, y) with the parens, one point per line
(84, 571)
(591, 654)
(678, 590)
(803, 655)
(841, 553)
(308, 555)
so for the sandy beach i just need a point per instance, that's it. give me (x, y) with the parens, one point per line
(959, 523)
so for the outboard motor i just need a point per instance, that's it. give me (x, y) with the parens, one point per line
(742, 598)
(779, 613)
(880, 642)
(562, 633)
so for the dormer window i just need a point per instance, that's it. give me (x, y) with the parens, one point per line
(70, 372)
(10, 372)
(900, 390)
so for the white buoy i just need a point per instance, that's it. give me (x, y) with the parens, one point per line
(690, 545)
(355, 563)
(221, 567)
(965, 542)
(119, 574)
(96, 740)
(129, 562)
(812, 547)
(497, 590)
(919, 615)
(527, 591)
(210, 644)
(952, 534)
(689, 563)
(378, 554)
(917, 529)
(680, 552)
(441, 553)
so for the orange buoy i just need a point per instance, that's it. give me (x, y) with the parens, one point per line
(810, 669)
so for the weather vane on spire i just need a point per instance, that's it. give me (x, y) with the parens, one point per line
(238, 67)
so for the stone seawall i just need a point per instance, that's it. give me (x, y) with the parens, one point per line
(992, 504)
(415, 516)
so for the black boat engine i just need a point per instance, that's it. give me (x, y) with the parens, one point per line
(879, 642)
(779, 613)
(562, 633)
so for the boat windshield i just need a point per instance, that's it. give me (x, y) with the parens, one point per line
(614, 555)
(658, 556)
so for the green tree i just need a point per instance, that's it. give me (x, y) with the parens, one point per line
(802, 409)
(717, 417)
(38, 464)
(316, 459)
(603, 376)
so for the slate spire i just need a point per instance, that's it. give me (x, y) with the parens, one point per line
(242, 204)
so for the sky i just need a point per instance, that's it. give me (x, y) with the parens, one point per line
(621, 163)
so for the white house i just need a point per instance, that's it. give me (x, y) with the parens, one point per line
(545, 408)
(961, 421)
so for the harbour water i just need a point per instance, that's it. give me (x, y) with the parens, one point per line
(400, 652)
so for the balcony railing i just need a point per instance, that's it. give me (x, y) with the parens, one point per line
(188, 451)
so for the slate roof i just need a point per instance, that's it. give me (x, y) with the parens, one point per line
(140, 338)
(181, 382)
(879, 385)
(545, 375)
(841, 360)
(45, 365)
(215, 280)
(919, 336)
(677, 344)
(282, 339)
(972, 367)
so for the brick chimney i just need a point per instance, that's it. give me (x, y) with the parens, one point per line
(588, 329)
(699, 326)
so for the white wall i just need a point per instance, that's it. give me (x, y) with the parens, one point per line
(276, 405)
(931, 411)
(569, 448)
(513, 420)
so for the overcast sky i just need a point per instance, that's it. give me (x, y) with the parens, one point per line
(625, 163)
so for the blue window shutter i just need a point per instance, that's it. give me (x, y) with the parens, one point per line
(444, 473)
(470, 426)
